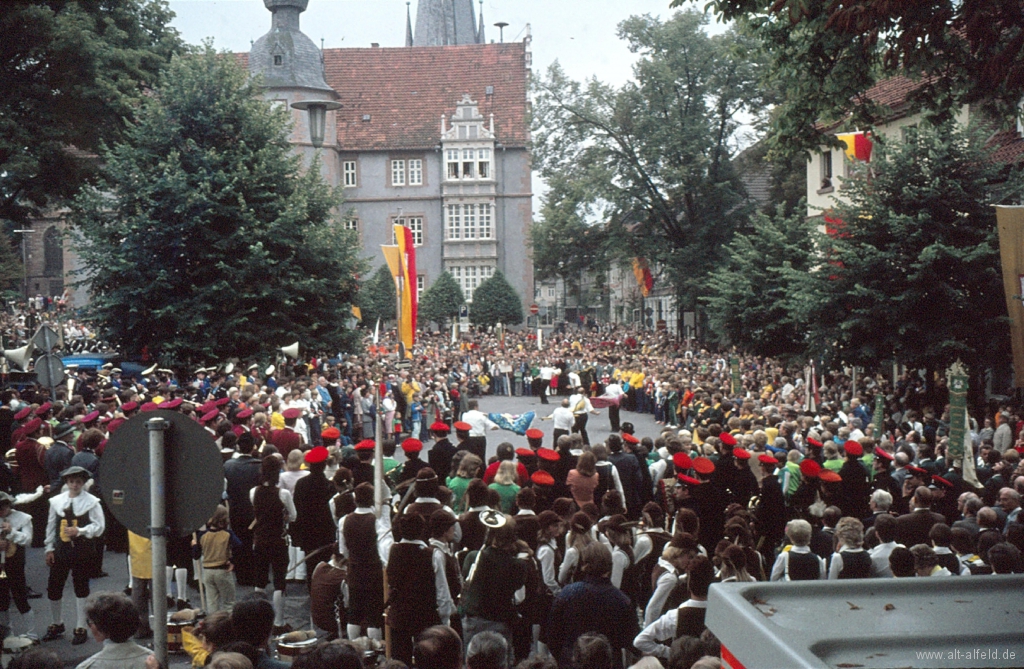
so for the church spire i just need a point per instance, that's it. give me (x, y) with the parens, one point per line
(480, 38)
(408, 23)
(445, 22)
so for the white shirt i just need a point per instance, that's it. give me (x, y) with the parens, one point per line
(664, 628)
(620, 562)
(880, 559)
(289, 479)
(662, 589)
(571, 559)
(385, 538)
(563, 418)
(546, 557)
(21, 527)
(836, 565)
(613, 390)
(480, 423)
(575, 401)
(83, 504)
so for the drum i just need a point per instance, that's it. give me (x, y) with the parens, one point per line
(174, 629)
(287, 652)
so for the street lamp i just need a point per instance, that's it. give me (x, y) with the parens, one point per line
(317, 110)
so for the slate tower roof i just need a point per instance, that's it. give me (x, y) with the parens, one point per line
(445, 22)
(285, 56)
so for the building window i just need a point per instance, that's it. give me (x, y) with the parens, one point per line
(551, 291)
(415, 225)
(278, 59)
(350, 178)
(483, 164)
(397, 172)
(421, 282)
(470, 276)
(416, 172)
(467, 163)
(469, 221)
(53, 253)
(826, 170)
(453, 225)
(452, 159)
(351, 223)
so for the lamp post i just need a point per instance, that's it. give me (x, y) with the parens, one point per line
(317, 111)
(24, 257)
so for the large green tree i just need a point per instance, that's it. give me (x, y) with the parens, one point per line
(825, 55)
(653, 157)
(749, 304)
(441, 302)
(377, 297)
(911, 270)
(207, 239)
(495, 301)
(71, 73)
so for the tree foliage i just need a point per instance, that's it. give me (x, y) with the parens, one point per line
(912, 271)
(71, 73)
(377, 297)
(825, 55)
(496, 301)
(749, 305)
(441, 301)
(652, 158)
(207, 239)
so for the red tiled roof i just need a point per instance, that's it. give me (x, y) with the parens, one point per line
(894, 91)
(406, 91)
(1008, 146)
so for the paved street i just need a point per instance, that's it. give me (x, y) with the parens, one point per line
(297, 600)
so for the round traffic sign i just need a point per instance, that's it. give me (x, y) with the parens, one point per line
(194, 474)
(49, 370)
(534, 309)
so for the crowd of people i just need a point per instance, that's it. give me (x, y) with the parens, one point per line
(582, 549)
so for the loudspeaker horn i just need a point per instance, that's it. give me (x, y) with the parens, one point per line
(228, 368)
(291, 351)
(149, 370)
(492, 519)
(21, 356)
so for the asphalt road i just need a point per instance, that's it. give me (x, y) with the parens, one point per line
(297, 600)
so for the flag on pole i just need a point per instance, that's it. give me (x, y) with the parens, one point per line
(969, 472)
(858, 145)
(642, 272)
(407, 260)
(357, 313)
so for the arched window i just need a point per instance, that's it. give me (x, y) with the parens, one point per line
(53, 252)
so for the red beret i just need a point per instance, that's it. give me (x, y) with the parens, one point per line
(547, 454)
(630, 439)
(741, 454)
(244, 413)
(23, 414)
(172, 404)
(767, 459)
(525, 453)
(534, 433)
(541, 477)
(440, 428)
(331, 433)
(129, 406)
(106, 419)
(412, 445)
(207, 407)
(689, 480)
(853, 448)
(942, 482)
(702, 465)
(810, 468)
(727, 439)
(114, 424)
(150, 406)
(682, 461)
(207, 417)
(920, 471)
(222, 401)
(291, 414)
(881, 453)
(31, 426)
(813, 442)
(315, 455)
(46, 406)
(90, 417)
(463, 427)
(366, 445)
(829, 476)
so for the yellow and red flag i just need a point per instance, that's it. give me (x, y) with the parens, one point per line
(644, 279)
(407, 258)
(858, 145)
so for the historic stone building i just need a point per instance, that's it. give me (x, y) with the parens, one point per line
(434, 134)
